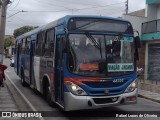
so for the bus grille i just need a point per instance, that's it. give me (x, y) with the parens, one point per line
(105, 100)
(110, 92)
(107, 84)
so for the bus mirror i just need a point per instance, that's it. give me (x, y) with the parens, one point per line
(138, 42)
(137, 45)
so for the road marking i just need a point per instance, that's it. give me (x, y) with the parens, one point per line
(25, 99)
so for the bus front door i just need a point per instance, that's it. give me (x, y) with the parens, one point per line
(59, 90)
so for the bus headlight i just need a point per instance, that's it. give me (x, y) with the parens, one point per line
(75, 89)
(132, 86)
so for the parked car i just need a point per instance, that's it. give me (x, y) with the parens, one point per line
(12, 61)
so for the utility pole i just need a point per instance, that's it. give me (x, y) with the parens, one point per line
(3, 9)
(126, 7)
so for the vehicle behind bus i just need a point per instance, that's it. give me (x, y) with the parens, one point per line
(80, 62)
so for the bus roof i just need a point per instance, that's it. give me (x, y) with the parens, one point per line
(64, 20)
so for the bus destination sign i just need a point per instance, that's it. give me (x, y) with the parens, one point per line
(120, 67)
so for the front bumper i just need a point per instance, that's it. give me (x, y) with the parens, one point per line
(73, 102)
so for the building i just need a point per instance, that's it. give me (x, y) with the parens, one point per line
(147, 22)
(151, 34)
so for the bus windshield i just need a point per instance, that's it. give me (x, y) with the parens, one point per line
(101, 55)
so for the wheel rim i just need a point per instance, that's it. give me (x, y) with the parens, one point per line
(48, 95)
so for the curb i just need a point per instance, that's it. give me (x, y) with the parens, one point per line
(152, 99)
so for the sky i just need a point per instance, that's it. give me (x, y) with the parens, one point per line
(41, 12)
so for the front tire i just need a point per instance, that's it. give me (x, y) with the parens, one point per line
(47, 95)
(24, 84)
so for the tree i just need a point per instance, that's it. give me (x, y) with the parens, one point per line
(8, 42)
(22, 30)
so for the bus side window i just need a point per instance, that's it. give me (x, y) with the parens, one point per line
(49, 43)
(20, 47)
(23, 46)
(27, 46)
(40, 38)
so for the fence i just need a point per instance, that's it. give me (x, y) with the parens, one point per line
(151, 27)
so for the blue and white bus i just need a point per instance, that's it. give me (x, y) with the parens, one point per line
(80, 62)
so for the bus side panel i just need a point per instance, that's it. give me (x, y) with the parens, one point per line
(46, 69)
(37, 72)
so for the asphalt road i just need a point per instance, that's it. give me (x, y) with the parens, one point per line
(142, 107)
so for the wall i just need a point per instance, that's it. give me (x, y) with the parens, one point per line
(146, 61)
(151, 1)
(158, 12)
(141, 61)
(136, 21)
(152, 12)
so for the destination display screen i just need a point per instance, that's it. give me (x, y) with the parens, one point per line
(107, 25)
(119, 67)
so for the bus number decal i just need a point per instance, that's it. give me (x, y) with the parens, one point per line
(118, 80)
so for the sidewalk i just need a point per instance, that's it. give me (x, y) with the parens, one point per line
(149, 95)
(7, 103)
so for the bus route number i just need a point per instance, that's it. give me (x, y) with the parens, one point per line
(118, 80)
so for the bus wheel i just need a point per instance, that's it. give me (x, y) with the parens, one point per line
(24, 84)
(48, 95)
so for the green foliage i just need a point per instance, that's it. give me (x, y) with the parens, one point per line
(8, 42)
(22, 30)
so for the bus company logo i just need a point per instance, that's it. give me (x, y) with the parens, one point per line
(106, 91)
(6, 114)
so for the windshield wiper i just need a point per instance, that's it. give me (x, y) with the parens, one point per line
(92, 39)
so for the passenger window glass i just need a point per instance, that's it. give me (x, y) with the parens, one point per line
(49, 43)
(39, 42)
(27, 45)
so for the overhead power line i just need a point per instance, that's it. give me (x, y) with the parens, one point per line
(78, 9)
(100, 6)
(16, 13)
(66, 2)
(16, 5)
(51, 4)
(76, 3)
